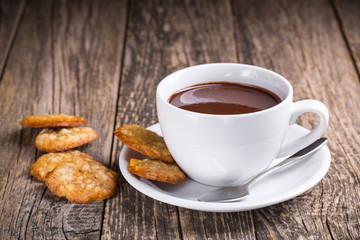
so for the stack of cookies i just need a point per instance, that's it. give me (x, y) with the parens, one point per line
(161, 166)
(69, 173)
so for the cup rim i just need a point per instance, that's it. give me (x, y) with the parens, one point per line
(273, 108)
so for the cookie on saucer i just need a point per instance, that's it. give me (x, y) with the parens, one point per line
(144, 141)
(156, 170)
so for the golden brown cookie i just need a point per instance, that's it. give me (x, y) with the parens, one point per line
(144, 141)
(60, 139)
(58, 120)
(48, 162)
(157, 170)
(82, 181)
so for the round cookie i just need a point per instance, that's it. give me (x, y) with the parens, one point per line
(48, 162)
(82, 181)
(144, 141)
(156, 170)
(56, 120)
(60, 139)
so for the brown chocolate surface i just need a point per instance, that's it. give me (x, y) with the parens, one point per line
(224, 98)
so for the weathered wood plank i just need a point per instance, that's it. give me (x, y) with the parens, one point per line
(165, 36)
(349, 17)
(66, 59)
(302, 41)
(10, 16)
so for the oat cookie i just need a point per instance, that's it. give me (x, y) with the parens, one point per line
(60, 139)
(82, 181)
(156, 170)
(57, 120)
(48, 162)
(144, 141)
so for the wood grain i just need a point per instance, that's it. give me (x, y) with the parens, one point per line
(11, 13)
(103, 60)
(65, 59)
(348, 13)
(302, 41)
(165, 36)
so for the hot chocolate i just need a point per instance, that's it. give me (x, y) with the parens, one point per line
(224, 98)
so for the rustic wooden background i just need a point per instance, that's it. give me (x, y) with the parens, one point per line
(103, 59)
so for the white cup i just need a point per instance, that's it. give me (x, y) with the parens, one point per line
(228, 150)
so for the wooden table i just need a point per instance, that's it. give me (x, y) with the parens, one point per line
(103, 60)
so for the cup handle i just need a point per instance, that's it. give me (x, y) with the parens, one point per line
(299, 108)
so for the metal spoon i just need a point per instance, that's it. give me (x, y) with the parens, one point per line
(233, 194)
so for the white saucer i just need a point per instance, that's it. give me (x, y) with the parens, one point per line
(278, 187)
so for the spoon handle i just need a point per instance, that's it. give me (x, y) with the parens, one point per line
(300, 154)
